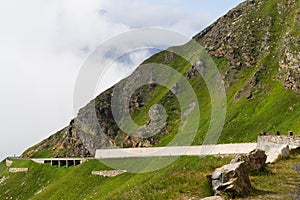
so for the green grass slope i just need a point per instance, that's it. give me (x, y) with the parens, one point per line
(183, 179)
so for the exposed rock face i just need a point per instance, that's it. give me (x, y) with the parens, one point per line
(196, 69)
(231, 178)
(290, 60)
(96, 126)
(274, 151)
(243, 37)
(65, 143)
(253, 160)
(232, 36)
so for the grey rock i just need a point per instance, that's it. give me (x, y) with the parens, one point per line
(231, 178)
(297, 168)
(254, 160)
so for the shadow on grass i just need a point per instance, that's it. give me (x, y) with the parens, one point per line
(295, 151)
(261, 172)
(253, 194)
(259, 192)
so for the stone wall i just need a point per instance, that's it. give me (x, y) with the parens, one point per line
(292, 141)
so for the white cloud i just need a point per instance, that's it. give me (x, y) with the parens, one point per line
(137, 14)
(120, 68)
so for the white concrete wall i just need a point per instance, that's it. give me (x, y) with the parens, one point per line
(176, 151)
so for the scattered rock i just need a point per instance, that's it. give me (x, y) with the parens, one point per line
(213, 198)
(175, 88)
(169, 57)
(274, 151)
(295, 196)
(8, 162)
(297, 168)
(253, 160)
(3, 179)
(231, 178)
(251, 1)
(14, 170)
(109, 173)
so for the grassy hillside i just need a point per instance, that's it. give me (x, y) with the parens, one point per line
(184, 179)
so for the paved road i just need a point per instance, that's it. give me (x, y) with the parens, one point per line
(176, 151)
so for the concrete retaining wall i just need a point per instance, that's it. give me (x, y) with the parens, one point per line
(176, 151)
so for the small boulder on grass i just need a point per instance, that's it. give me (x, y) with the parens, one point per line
(232, 179)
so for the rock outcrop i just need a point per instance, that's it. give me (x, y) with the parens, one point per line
(231, 178)
(65, 143)
(253, 161)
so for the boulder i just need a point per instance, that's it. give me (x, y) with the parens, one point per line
(253, 160)
(274, 151)
(231, 178)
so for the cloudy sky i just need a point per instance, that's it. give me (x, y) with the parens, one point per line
(43, 45)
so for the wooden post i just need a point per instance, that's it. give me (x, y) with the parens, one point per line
(277, 133)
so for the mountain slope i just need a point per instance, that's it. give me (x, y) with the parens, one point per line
(184, 179)
(256, 48)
